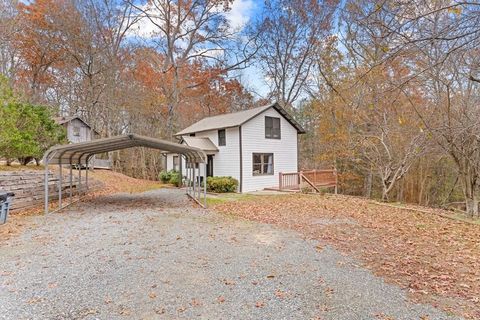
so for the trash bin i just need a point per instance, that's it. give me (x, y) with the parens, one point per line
(5, 203)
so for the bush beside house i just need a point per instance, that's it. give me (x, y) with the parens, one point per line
(222, 184)
(172, 177)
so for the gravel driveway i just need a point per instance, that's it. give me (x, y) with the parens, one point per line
(155, 256)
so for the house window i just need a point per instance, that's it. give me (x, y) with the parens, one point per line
(272, 128)
(192, 134)
(76, 131)
(262, 164)
(222, 140)
(176, 163)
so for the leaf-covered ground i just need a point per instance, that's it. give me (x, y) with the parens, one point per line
(436, 259)
(105, 182)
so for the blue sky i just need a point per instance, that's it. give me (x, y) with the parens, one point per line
(241, 14)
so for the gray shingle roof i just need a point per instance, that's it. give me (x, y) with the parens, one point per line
(202, 143)
(236, 119)
(62, 120)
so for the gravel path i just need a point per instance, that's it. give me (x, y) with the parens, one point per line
(155, 256)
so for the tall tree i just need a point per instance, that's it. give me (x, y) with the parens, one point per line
(187, 32)
(291, 34)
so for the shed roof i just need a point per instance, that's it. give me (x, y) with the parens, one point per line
(203, 143)
(78, 152)
(237, 119)
(64, 120)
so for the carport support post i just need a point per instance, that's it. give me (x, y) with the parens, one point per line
(187, 164)
(79, 168)
(71, 184)
(60, 182)
(45, 163)
(205, 185)
(86, 176)
(194, 182)
(180, 158)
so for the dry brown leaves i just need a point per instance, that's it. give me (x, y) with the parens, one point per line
(114, 182)
(104, 182)
(436, 259)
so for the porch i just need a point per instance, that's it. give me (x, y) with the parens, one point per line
(307, 179)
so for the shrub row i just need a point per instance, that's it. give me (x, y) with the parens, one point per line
(214, 184)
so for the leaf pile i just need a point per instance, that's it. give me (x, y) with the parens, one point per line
(436, 259)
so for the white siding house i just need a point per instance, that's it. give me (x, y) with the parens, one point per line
(252, 146)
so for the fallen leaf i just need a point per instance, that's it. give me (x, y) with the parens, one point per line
(259, 304)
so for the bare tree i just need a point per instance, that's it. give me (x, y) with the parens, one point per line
(9, 29)
(190, 31)
(291, 35)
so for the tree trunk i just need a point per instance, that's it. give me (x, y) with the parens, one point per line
(471, 194)
(385, 191)
(472, 206)
(368, 184)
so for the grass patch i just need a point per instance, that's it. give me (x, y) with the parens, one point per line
(213, 200)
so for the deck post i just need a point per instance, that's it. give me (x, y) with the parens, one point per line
(300, 175)
(280, 184)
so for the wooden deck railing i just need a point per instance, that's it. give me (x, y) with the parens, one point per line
(312, 178)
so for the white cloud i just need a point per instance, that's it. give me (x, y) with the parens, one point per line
(144, 28)
(239, 15)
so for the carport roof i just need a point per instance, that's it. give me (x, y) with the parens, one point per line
(78, 152)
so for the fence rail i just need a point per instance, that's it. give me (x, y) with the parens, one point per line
(312, 178)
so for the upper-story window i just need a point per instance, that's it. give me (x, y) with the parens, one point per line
(76, 131)
(272, 128)
(222, 139)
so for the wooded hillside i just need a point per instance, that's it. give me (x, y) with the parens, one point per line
(388, 91)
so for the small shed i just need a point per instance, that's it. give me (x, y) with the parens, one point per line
(78, 130)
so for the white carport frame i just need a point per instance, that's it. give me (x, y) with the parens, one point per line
(80, 153)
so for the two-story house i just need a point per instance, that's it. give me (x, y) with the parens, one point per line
(252, 146)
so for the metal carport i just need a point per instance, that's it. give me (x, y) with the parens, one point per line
(80, 153)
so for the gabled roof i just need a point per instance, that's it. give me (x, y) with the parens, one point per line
(63, 120)
(237, 119)
(202, 143)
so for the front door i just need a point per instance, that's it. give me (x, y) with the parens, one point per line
(209, 165)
